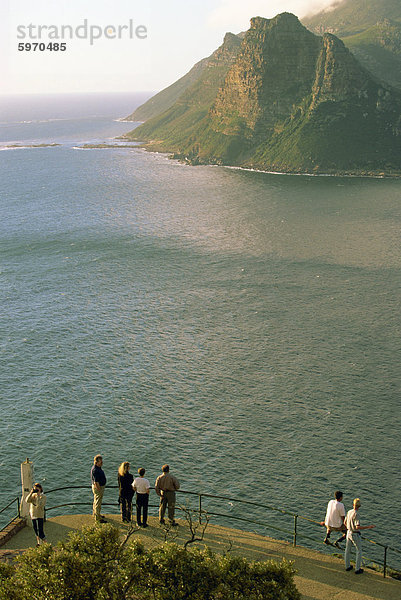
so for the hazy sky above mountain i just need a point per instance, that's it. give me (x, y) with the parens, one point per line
(179, 33)
(236, 12)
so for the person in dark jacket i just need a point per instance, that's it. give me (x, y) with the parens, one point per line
(98, 484)
(126, 492)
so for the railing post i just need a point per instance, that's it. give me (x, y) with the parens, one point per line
(200, 509)
(385, 561)
(26, 482)
(295, 529)
(18, 507)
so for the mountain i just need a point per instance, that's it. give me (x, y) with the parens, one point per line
(379, 50)
(353, 16)
(208, 71)
(291, 101)
(372, 31)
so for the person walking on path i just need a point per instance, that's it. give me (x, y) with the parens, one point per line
(141, 486)
(126, 493)
(98, 484)
(354, 537)
(37, 501)
(166, 486)
(335, 517)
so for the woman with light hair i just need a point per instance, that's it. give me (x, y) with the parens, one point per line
(37, 501)
(126, 491)
(354, 537)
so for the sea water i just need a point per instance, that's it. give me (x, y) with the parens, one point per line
(243, 327)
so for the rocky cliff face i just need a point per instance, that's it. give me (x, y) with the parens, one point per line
(339, 76)
(290, 101)
(274, 70)
(340, 80)
(372, 31)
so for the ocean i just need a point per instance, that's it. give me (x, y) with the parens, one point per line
(243, 327)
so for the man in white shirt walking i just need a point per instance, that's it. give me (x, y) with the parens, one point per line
(335, 517)
(141, 486)
(354, 538)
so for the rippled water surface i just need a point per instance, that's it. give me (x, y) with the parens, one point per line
(243, 327)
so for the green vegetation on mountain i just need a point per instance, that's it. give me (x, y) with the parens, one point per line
(175, 124)
(372, 31)
(379, 50)
(214, 66)
(349, 17)
(291, 101)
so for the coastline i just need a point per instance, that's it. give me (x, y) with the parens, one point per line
(28, 146)
(356, 174)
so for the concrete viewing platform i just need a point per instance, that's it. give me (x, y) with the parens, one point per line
(319, 577)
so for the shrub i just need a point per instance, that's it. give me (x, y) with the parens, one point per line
(94, 564)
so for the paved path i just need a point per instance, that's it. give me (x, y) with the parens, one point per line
(320, 577)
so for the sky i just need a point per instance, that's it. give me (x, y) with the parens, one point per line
(135, 46)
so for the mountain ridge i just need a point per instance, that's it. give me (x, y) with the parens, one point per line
(379, 50)
(372, 31)
(168, 96)
(349, 17)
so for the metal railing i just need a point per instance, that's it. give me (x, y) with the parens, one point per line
(294, 533)
(18, 514)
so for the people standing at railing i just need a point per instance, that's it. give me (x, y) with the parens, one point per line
(354, 537)
(335, 517)
(165, 487)
(126, 493)
(98, 484)
(37, 500)
(141, 486)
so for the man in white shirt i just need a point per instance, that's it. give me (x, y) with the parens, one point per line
(141, 486)
(354, 538)
(335, 517)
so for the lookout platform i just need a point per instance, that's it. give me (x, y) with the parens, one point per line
(319, 577)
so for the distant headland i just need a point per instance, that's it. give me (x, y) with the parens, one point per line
(278, 98)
